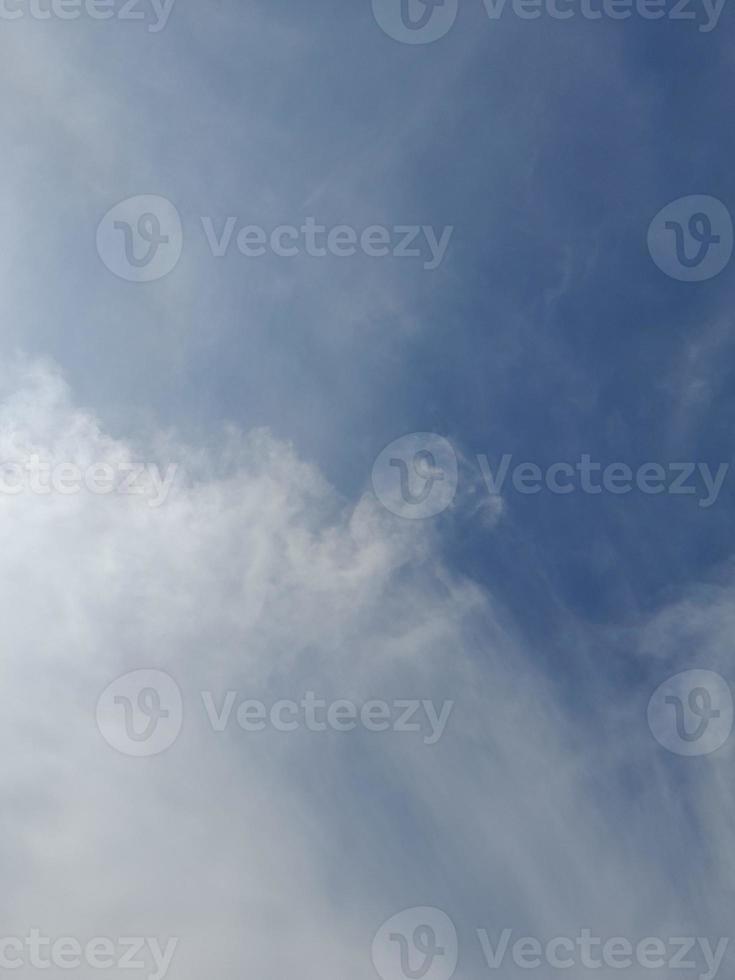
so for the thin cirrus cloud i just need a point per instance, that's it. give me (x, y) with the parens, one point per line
(546, 806)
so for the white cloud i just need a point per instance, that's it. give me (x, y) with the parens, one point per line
(280, 854)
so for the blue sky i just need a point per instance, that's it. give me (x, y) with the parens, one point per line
(546, 332)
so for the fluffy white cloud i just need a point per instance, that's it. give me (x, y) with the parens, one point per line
(279, 854)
